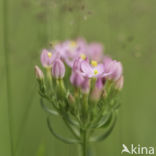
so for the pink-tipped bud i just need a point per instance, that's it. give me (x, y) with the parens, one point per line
(119, 83)
(100, 83)
(46, 58)
(85, 86)
(114, 69)
(76, 78)
(38, 73)
(58, 69)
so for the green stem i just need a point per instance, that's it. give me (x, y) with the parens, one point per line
(49, 76)
(7, 69)
(84, 143)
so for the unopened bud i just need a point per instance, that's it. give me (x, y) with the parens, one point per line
(85, 86)
(76, 78)
(113, 68)
(58, 70)
(119, 83)
(38, 73)
(46, 58)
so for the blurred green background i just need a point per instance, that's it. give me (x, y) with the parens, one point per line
(127, 28)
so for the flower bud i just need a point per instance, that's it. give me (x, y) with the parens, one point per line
(77, 64)
(119, 83)
(46, 58)
(114, 69)
(38, 73)
(76, 78)
(85, 86)
(100, 83)
(58, 70)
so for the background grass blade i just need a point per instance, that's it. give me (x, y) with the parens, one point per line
(7, 70)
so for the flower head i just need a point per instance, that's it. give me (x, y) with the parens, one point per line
(92, 70)
(113, 69)
(46, 58)
(95, 52)
(58, 70)
(69, 50)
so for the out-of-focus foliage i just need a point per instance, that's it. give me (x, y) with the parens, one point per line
(126, 28)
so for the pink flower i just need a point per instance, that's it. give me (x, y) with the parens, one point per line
(77, 78)
(58, 69)
(113, 68)
(107, 60)
(93, 70)
(69, 50)
(77, 63)
(38, 73)
(95, 52)
(46, 58)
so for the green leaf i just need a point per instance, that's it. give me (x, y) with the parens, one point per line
(65, 140)
(108, 122)
(105, 118)
(46, 109)
(70, 119)
(73, 129)
(116, 106)
(106, 133)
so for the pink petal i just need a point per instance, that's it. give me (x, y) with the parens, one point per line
(86, 68)
(100, 68)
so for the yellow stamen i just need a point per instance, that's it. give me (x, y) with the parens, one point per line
(49, 54)
(72, 44)
(94, 63)
(95, 71)
(83, 56)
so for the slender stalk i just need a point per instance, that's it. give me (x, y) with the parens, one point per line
(84, 143)
(7, 69)
(49, 76)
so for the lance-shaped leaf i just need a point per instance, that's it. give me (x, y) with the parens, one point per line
(102, 116)
(103, 120)
(46, 109)
(116, 106)
(107, 132)
(108, 122)
(72, 128)
(65, 140)
(70, 119)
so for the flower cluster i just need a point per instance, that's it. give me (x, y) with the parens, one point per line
(82, 84)
(86, 61)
